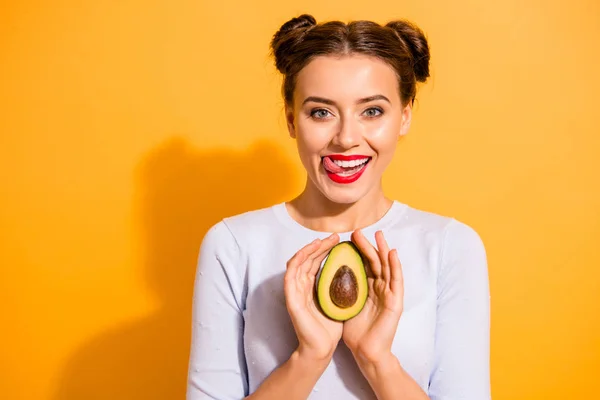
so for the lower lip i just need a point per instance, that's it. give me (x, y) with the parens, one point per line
(347, 179)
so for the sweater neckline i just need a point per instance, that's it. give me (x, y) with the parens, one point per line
(391, 215)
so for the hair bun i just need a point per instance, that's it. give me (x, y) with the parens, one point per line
(287, 37)
(302, 21)
(415, 40)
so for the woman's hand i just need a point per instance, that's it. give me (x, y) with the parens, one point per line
(369, 335)
(318, 336)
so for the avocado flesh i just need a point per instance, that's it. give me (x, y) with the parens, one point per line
(342, 285)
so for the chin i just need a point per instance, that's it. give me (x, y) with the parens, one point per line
(342, 194)
(342, 198)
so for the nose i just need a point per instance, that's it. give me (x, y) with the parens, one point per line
(348, 134)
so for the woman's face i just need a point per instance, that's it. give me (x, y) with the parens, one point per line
(347, 118)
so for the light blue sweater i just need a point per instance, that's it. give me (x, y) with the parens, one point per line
(242, 332)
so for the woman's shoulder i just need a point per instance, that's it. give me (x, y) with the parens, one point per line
(244, 225)
(460, 247)
(253, 220)
(448, 227)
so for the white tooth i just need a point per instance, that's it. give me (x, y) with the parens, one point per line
(351, 171)
(350, 164)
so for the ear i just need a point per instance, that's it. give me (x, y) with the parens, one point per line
(406, 119)
(289, 118)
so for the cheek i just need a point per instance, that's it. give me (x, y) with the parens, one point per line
(308, 150)
(313, 138)
(383, 138)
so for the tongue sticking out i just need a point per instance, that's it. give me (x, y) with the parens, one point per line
(330, 166)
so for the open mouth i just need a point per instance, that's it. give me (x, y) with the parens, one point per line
(345, 171)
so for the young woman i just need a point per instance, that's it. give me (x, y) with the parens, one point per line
(423, 333)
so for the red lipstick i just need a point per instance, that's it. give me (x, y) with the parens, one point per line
(342, 157)
(334, 171)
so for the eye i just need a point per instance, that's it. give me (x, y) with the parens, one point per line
(373, 112)
(319, 113)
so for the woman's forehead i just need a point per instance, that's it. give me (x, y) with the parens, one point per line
(346, 78)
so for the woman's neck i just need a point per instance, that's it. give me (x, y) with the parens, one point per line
(316, 212)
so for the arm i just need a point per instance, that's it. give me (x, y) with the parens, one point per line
(370, 334)
(461, 367)
(317, 335)
(461, 360)
(217, 368)
(382, 373)
(294, 380)
(217, 365)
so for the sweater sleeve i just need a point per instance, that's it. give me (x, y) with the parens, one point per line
(461, 367)
(217, 365)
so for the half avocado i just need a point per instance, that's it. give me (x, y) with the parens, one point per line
(342, 284)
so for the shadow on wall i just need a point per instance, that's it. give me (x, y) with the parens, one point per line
(180, 194)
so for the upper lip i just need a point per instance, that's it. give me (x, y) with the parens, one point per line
(342, 157)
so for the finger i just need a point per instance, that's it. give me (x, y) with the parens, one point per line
(383, 253)
(320, 255)
(301, 254)
(397, 278)
(297, 260)
(306, 262)
(324, 245)
(367, 249)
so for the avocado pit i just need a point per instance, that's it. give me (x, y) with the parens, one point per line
(344, 287)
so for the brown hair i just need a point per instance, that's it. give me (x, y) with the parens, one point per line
(400, 43)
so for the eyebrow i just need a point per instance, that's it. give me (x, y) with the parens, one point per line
(323, 100)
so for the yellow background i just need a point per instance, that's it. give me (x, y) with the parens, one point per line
(129, 127)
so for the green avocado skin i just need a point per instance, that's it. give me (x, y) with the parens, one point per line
(343, 253)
